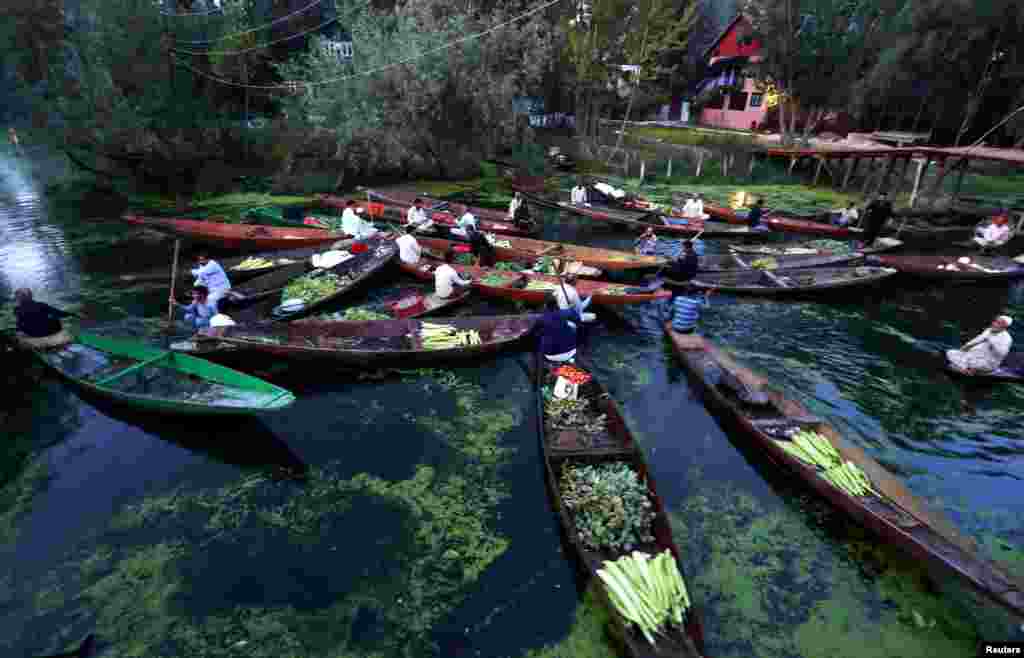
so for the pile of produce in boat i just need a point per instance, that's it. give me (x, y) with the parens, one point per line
(573, 374)
(494, 280)
(313, 287)
(254, 263)
(507, 266)
(536, 284)
(764, 264)
(815, 450)
(546, 265)
(358, 313)
(574, 415)
(443, 336)
(837, 247)
(646, 591)
(609, 504)
(493, 239)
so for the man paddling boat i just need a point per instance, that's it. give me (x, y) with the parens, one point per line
(557, 332)
(985, 352)
(210, 274)
(38, 325)
(647, 243)
(201, 310)
(685, 267)
(685, 310)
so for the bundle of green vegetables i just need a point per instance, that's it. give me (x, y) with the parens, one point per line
(565, 414)
(646, 591)
(835, 246)
(851, 479)
(536, 284)
(312, 288)
(506, 266)
(358, 313)
(765, 264)
(493, 280)
(443, 336)
(545, 265)
(609, 504)
(812, 448)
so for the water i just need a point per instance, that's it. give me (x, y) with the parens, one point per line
(406, 515)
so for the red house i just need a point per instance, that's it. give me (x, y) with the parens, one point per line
(741, 105)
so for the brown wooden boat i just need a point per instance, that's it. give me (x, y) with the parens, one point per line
(642, 220)
(811, 248)
(741, 262)
(258, 299)
(981, 268)
(513, 285)
(278, 260)
(249, 237)
(788, 282)
(374, 342)
(788, 223)
(488, 220)
(897, 516)
(431, 304)
(615, 444)
(526, 249)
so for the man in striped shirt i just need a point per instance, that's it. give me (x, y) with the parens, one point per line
(685, 310)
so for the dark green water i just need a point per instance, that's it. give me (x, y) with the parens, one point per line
(423, 527)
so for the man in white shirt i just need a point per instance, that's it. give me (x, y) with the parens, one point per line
(353, 225)
(446, 280)
(211, 275)
(986, 351)
(466, 220)
(698, 207)
(579, 195)
(408, 249)
(416, 218)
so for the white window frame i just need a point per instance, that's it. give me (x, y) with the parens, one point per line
(340, 49)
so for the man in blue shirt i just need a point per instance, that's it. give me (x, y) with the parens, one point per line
(557, 331)
(685, 310)
(754, 217)
(202, 308)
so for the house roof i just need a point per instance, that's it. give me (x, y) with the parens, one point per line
(728, 28)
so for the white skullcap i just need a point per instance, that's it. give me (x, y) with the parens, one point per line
(964, 260)
(1006, 319)
(221, 320)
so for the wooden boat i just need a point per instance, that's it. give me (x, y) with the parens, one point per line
(734, 261)
(488, 220)
(641, 220)
(529, 250)
(981, 268)
(277, 260)
(268, 288)
(615, 444)
(512, 285)
(789, 282)
(898, 517)
(1011, 370)
(430, 305)
(374, 342)
(143, 376)
(811, 249)
(787, 223)
(237, 236)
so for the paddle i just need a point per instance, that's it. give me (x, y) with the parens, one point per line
(174, 279)
(662, 268)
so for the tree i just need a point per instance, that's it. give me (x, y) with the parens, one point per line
(419, 96)
(650, 34)
(815, 52)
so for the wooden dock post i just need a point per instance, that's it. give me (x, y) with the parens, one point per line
(750, 169)
(868, 176)
(700, 163)
(669, 174)
(960, 178)
(883, 185)
(850, 168)
(643, 170)
(817, 171)
(922, 165)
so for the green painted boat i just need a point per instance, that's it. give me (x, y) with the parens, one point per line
(153, 379)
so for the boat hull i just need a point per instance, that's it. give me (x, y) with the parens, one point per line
(237, 236)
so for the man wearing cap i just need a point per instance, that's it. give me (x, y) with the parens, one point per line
(997, 233)
(985, 352)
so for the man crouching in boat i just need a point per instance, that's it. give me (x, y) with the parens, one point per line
(38, 324)
(202, 308)
(985, 352)
(557, 331)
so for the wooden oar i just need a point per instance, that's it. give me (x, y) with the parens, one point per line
(174, 279)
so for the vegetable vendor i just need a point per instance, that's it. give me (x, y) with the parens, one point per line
(996, 234)
(465, 223)
(685, 267)
(409, 250)
(353, 225)
(446, 280)
(483, 250)
(578, 196)
(416, 218)
(985, 352)
(754, 217)
(556, 332)
(211, 275)
(201, 310)
(876, 215)
(38, 325)
(647, 243)
(685, 310)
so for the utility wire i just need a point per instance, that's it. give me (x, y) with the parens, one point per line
(260, 27)
(259, 46)
(385, 67)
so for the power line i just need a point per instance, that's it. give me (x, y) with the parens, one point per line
(211, 12)
(266, 25)
(385, 67)
(260, 46)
